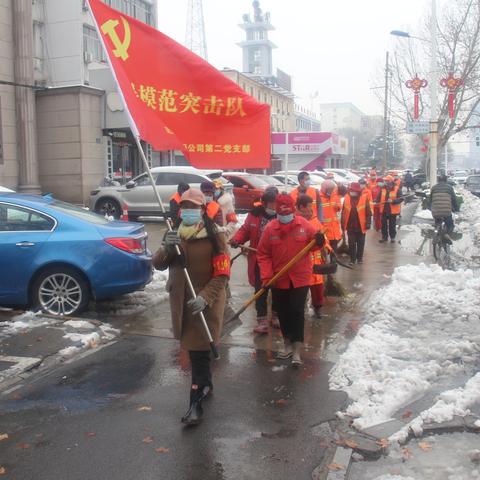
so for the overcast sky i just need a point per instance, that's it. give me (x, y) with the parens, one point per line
(331, 46)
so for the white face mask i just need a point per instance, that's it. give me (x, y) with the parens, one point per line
(285, 218)
(208, 198)
(354, 194)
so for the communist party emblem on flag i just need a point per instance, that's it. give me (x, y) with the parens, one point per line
(177, 100)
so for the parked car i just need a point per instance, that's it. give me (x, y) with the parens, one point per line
(473, 184)
(138, 196)
(247, 188)
(460, 176)
(316, 177)
(292, 180)
(275, 182)
(342, 175)
(56, 256)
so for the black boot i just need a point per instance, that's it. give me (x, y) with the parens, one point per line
(194, 414)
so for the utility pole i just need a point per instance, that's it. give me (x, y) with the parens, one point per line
(385, 117)
(434, 97)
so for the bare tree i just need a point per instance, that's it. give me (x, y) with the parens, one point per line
(458, 53)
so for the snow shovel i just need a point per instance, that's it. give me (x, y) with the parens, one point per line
(243, 249)
(284, 270)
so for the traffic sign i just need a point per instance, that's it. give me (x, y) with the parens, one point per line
(419, 128)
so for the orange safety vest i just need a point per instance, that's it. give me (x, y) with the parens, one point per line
(311, 192)
(212, 209)
(176, 197)
(316, 254)
(395, 209)
(368, 193)
(330, 208)
(361, 210)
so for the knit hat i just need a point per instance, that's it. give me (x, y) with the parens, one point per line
(355, 187)
(193, 195)
(285, 205)
(207, 187)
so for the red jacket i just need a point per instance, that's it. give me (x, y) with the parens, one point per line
(278, 245)
(250, 230)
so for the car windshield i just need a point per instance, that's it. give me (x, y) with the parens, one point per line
(460, 174)
(475, 180)
(80, 213)
(272, 180)
(316, 178)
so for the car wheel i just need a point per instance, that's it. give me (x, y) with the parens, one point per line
(109, 207)
(60, 291)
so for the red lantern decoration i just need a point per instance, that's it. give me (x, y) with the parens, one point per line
(452, 84)
(416, 84)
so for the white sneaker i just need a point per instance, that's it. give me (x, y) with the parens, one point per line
(296, 358)
(287, 351)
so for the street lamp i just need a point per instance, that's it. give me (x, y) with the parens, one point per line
(433, 90)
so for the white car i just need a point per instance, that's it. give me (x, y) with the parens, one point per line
(342, 176)
(315, 177)
(6, 190)
(460, 176)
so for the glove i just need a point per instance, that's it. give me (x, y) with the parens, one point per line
(320, 239)
(234, 244)
(197, 305)
(389, 200)
(171, 240)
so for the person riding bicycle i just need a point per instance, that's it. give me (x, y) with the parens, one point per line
(443, 202)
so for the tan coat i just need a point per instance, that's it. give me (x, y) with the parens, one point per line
(198, 256)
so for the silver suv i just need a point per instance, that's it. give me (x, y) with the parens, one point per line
(138, 196)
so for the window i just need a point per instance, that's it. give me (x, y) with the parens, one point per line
(170, 178)
(77, 212)
(143, 180)
(92, 44)
(237, 182)
(17, 219)
(191, 178)
(139, 9)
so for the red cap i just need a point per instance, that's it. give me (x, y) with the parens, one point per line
(355, 187)
(285, 205)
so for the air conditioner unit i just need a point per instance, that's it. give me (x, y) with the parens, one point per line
(87, 57)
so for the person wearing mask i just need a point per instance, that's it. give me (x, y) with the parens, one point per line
(175, 204)
(251, 231)
(443, 202)
(282, 239)
(366, 191)
(213, 208)
(204, 253)
(318, 255)
(389, 203)
(356, 220)
(225, 200)
(331, 206)
(305, 188)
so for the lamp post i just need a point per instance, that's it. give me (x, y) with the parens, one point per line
(433, 90)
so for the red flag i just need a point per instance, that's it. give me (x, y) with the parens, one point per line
(177, 100)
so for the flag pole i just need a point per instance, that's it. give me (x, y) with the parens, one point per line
(136, 135)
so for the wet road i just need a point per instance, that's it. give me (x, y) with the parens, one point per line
(115, 413)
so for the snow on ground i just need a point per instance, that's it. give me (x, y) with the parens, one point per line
(421, 335)
(138, 301)
(416, 331)
(23, 322)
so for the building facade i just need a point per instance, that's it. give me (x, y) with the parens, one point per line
(306, 120)
(70, 129)
(338, 116)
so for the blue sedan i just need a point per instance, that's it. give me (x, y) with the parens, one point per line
(55, 256)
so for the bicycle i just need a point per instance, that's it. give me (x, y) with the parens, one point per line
(442, 244)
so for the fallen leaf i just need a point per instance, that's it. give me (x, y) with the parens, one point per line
(407, 414)
(335, 466)
(351, 444)
(144, 408)
(162, 450)
(281, 403)
(384, 443)
(91, 434)
(147, 440)
(426, 447)
(406, 453)
(3, 471)
(3, 436)
(23, 446)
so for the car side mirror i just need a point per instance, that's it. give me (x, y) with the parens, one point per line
(131, 184)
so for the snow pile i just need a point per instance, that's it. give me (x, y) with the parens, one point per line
(421, 331)
(24, 322)
(139, 301)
